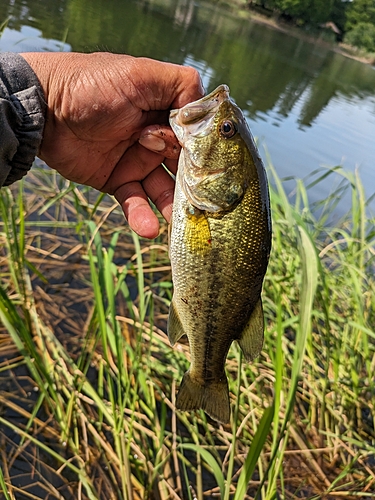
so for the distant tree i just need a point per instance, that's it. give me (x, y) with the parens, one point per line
(362, 35)
(339, 13)
(305, 11)
(308, 11)
(360, 11)
(319, 11)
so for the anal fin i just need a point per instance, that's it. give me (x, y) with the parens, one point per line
(251, 339)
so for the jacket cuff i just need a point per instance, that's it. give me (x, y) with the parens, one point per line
(22, 117)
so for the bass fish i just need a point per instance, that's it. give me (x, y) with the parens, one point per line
(220, 241)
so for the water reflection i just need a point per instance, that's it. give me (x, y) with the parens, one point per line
(276, 71)
(28, 38)
(206, 72)
(184, 13)
(301, 98)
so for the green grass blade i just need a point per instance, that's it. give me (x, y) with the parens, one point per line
(211, 462)
(3, 486)
(254, 452)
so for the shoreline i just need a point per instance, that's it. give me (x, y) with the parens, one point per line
(291, 29)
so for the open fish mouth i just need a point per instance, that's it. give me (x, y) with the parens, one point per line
(195, 118)
(199, 109)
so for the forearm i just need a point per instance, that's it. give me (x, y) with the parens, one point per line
(90, 110)
(22, 117)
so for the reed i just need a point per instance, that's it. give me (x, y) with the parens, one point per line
(88, 378)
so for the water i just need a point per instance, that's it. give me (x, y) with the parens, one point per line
(310, 107)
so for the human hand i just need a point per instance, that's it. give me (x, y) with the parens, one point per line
(98, 106)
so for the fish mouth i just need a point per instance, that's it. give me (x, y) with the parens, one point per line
(197, 110)
(195, 118)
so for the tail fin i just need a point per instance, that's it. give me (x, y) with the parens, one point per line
(213, 398)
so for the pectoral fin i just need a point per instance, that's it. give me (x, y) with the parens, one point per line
(174, 327)
(251, 340)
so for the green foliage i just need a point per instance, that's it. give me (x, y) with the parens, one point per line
(338, 14)
(355, 18)
(103, 419)
(311, 12)
(362, 35)
(3, 25)
(308, 11)
(360, 11)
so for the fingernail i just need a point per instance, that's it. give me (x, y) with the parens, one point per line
(151, 142)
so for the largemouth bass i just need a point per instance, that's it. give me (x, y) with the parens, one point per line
(220, 241)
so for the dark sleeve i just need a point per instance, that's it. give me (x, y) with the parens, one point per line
(22, 116)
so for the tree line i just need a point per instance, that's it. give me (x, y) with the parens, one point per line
(352, 20)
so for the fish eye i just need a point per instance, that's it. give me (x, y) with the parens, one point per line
(228, 129)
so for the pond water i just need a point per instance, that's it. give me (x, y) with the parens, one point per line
(308, 105)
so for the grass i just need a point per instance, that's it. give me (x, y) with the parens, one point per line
(88, 378)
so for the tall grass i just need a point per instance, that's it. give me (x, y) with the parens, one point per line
(88, 378)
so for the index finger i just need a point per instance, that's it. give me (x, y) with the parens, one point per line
(163, 86)
(189, 87)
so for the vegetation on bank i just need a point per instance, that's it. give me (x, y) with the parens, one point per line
(352, 21)
(88, 378)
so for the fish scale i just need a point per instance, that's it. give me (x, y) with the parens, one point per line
(220, 241)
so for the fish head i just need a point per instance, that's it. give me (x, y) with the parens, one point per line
(218, 151)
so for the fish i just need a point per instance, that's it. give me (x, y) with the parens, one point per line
(219, 247)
